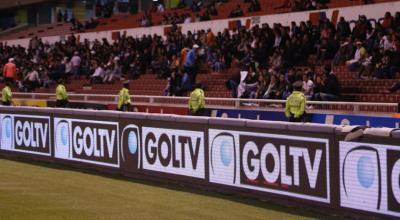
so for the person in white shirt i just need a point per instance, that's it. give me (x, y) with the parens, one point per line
(31, 80)
(76, 65)
(160, 7)
(98, 75)
(308, 86)
(387, 43)
(188, 19)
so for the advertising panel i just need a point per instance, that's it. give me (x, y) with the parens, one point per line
(372, 121)
(26, 133)
(370, 177)
(174, 151)
(280, 164)
(88, 141)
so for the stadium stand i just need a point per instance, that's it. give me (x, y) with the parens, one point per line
(178, 15)
(288, 49)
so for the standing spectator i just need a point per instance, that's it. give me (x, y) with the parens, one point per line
(76, 65)
(308, 86)
(190, 65)
(32, 80)
(10, 71)
(59, 16)
(66, 18)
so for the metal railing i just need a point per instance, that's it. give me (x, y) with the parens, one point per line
(211, 101)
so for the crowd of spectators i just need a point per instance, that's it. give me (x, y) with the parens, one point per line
(182, 18)
(269, 56)
(77, 25)
(303, 5)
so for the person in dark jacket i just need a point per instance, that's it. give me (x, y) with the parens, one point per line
(330, 89)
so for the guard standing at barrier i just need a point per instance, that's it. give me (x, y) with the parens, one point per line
(61, 95)
(6, 96)
(295, 104)
(197, 101)
(124, 99)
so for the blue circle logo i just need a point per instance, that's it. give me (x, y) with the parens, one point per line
(64, 135)
(226, 153)
(132, 142)
(365, 171)
(7, 128)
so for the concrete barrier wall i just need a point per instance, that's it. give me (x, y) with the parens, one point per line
(303, 164)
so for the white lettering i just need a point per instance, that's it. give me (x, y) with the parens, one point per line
(273, 176)
(110, 143)
(285, 179)
(19, 133)
(296, 153)
(87, 133)
(78, 145)
(255, 163)
(312, 170)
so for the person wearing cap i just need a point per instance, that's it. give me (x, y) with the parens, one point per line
(6, 95)
(124, 99)
(197, 101)
(190, 65)
(61, 95)
(359, 57)
(295, 104)
(10, 71)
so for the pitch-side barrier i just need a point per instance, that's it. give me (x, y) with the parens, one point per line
(229, 102)
(343, 170)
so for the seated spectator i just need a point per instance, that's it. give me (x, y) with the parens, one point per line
(237, 12)
(196, 5)
(285, 88)
(360, 57)
(114, 73)
(98, 75)
(188, 19)
(160, 7)
(388, 22)
(329, 90)
(262, 86)
(272, 91)
(395, 61)
(254, 6)
(382, 68)
(181, 4)
(213, 10)
(219, 65)
(174, 85)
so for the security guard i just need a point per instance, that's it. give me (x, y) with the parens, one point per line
(124, 99)
(196, 101)
(6, 97)
(61, 95)
(295, 104)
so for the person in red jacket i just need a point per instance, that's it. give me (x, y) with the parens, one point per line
(10, 71)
